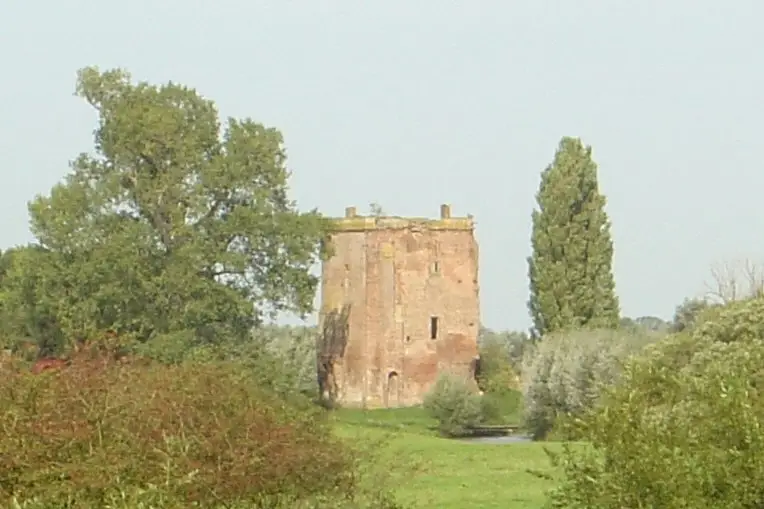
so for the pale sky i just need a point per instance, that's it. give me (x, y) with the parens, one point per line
(414, 103)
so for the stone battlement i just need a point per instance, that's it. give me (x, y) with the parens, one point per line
(355, 223)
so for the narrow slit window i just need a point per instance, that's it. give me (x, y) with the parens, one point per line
(435, 267)
(433, 327)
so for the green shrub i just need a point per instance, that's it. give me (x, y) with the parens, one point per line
(496, 374)
(511, 345)
(690, 313)
(102, 433)
(683, 429)
(503, 407)
(294, 350)
(455, 404)
(563, 373)
(283, 358)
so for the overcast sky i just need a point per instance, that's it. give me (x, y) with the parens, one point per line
(414, 103)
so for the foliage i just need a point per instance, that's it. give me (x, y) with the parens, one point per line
(496, 374)
(570, 269)
(99, 427)
(293, 349)
(689, 313)
(173, 225)
(514, 342)
(282, 358)
(502, 408)
(103, 432)
(26, 313)
(498, 380)
(565, 372)
(683, 429)
(454, 404)
(331, 343)
(646, 323)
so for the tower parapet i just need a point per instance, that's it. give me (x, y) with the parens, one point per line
(354, 222)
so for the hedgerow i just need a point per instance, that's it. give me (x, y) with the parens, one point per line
(683, 427)
(104, 432)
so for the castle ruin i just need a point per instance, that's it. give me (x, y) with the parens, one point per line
(399, 305)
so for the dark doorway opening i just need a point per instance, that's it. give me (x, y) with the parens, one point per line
(393, 392)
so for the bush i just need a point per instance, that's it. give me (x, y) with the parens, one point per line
(282, 357)
(511, 343)
(502, 408)
(563, 374)
(689, 313)
(454, 403)
(683, 428)
(294, 350)
(496, 374)
(497, 379)
(103, 432)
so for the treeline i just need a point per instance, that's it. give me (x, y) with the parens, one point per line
(673, 422)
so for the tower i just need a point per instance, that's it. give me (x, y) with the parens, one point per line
(399, 305)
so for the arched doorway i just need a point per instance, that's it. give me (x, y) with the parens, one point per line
(393, 391)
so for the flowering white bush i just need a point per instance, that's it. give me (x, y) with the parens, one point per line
(564, 372)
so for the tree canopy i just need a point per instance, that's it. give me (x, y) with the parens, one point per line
(570, 270)
(176, 222)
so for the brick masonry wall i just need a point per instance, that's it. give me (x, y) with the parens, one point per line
(398, 275)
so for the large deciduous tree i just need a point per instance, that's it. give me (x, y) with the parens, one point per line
(174, 223)
(27, 311)
(570, 270)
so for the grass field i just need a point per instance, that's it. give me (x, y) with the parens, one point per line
(430, 472)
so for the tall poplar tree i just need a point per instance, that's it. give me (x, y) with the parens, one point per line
(571, 267)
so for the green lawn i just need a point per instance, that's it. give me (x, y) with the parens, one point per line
(430, 472)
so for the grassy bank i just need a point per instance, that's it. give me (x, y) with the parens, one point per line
(430, 472)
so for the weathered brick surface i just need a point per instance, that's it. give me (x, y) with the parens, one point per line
(397, 274)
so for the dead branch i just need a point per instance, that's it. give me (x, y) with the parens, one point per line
(731, 281)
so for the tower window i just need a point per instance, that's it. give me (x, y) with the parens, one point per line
(435, 267)
(433, 327)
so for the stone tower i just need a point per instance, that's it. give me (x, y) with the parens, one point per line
(399, 304)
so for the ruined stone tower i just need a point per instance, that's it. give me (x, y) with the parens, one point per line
(399, 304)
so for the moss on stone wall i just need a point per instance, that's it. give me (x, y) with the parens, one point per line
(360, 223)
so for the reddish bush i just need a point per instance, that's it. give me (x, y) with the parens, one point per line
(47, 364)
(99, 429)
